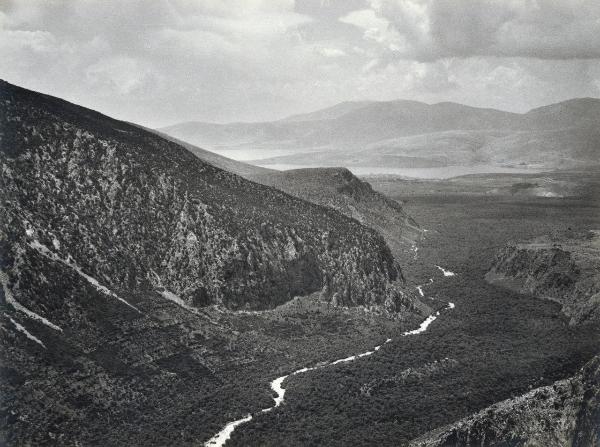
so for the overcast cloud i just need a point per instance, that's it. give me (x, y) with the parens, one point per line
(158, 62)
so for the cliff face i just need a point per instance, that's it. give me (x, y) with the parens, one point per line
(341, 190)
(567, 272)
(137, 212)
(564, 414)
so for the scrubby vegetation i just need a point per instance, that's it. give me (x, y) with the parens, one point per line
(341, 190)
(500, 343)
(142, 212)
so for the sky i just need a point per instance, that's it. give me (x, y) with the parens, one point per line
(160, 62)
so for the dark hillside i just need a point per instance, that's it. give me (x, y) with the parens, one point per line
(139, 211)
(122, 254)
(341, 190)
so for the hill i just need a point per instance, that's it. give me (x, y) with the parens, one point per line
(339, 189)
(336, 188)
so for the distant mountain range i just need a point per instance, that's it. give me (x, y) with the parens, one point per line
(408, 134)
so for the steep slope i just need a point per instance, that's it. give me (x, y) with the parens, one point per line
(140, 211)
(564, 414)
(336, 188)
(339, 189)
(121, 253)
(566, 270)
(413, 134)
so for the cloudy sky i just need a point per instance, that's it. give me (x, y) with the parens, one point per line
(158, 62)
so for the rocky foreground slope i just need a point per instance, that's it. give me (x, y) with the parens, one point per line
(564, 414)
(121, 256)
(565, 270)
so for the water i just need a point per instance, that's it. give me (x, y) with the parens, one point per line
(223, 436)
(423, 173)
(445, 272)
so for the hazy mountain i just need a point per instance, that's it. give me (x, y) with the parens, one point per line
(578, 112)
(329, 112)
(414, 134)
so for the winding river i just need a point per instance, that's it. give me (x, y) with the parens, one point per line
(223, 436)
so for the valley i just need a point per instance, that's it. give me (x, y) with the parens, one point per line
(300, 223)
(175, 296)
(277, 384)
(497, 344)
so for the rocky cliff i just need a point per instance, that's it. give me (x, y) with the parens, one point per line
(341, 190)
(563, 269)
(564, 414)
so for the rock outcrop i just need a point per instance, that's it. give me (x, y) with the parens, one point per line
(564, 414)
(341, 190)
(566, 270)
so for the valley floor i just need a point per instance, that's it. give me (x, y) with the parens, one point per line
(495, 345)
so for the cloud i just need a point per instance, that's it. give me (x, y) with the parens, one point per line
(331, 52)
(167, 61)
(205, 56)
(375, 28)
(435, 29)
